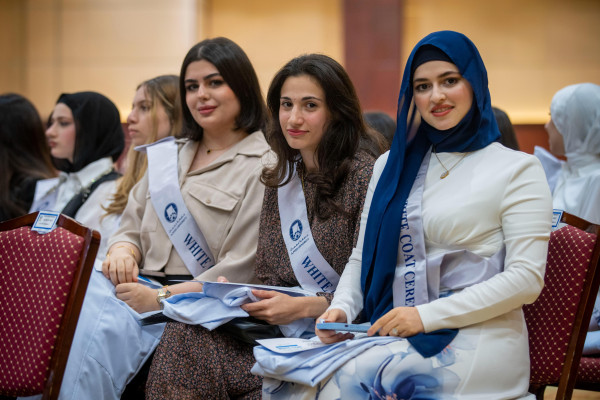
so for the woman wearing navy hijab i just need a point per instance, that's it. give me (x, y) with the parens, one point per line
(453, 242)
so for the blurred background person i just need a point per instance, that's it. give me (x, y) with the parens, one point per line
(574, 132)
(155, 114)
(24, 155)
(382, 123)
(507, 132)
(85, 138)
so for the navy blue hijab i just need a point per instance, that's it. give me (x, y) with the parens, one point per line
(477, 129)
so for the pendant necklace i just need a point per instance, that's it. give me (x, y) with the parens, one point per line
(447, 171)
(208, 151)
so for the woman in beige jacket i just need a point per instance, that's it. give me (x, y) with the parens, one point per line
(219, 167)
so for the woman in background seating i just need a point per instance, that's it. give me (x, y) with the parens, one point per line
(507, 132)
(155, 114)
(85, 138)
(382, 123)
(574, 132)
(24, 155)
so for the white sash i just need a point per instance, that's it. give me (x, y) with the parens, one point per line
(418, 279)
(46, 193)
(180, 226)
(410, 280)
(312, 270)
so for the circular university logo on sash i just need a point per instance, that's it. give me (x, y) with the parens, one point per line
(171, 212)
(296, 230)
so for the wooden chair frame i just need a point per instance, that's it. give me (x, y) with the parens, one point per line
(75, 298)
(568, 376)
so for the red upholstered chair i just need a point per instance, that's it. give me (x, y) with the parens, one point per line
(557, 321)
(588, 375)
(43, 278)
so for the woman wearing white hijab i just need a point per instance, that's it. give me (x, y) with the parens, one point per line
(574, 132)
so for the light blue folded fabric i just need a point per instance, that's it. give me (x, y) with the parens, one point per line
(309, 367)
(220, 303)
(199, 309)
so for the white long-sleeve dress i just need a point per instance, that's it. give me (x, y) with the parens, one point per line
(494, 197)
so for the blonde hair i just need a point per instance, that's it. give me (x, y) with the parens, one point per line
(163, 90)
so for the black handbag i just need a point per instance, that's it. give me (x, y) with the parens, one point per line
(244, 329)
(250, 329)
(77, 201)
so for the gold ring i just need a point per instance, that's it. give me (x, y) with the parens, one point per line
(394, 332)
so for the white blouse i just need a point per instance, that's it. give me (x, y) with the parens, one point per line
(493, 197)
(90, 214)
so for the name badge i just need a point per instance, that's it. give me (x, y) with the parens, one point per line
(556, 217)
(45, 221)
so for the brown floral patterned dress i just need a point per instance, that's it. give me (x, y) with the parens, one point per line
(192, 362)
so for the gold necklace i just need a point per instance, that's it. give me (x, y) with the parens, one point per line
(208, 151)
(447, 172)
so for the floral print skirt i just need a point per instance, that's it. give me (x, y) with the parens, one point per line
(489, 360)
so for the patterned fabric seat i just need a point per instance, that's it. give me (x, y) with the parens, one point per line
(588, 376)
(43, 279)
(557, 321)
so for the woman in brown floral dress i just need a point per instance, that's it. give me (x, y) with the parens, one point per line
(316, 129)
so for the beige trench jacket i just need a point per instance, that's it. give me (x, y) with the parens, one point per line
(224, 198)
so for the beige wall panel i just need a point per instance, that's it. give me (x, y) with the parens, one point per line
(12, 42)
(531, 48)
(272, 32)
(108, 46)
(42, 83)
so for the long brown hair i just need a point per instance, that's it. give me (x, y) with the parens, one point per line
(345, 133)
(24, 153)
(163, 90)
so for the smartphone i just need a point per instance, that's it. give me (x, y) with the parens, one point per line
(341, 326)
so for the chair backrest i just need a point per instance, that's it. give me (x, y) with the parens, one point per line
(557, 321)
(43, 278)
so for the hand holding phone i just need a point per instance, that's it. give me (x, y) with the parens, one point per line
(344, 327)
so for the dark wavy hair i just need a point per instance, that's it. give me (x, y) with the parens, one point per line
(345, 133)
(508, 137)
(24, 154)
(235, 68)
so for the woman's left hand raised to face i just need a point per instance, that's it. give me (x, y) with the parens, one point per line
(137, 296)
(400, 321)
